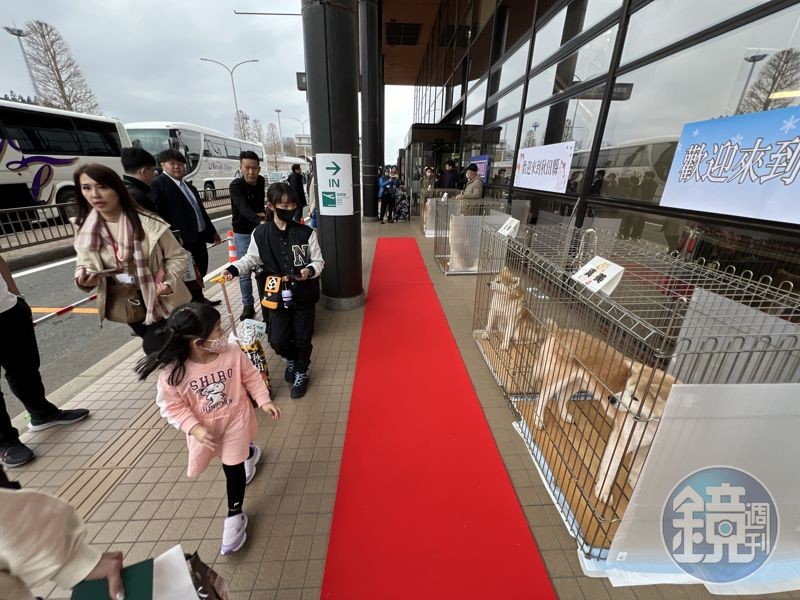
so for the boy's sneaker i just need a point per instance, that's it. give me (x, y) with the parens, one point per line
(250, 463)
(62, 417)
(15, 455)
(234, 534)
(288, 375)
(300, 385)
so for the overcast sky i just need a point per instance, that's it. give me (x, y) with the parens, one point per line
(142, 60)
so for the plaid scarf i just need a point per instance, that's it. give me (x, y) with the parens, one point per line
(94, 233)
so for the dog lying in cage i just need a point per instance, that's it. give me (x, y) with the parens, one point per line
(571, 361)
(506, 308)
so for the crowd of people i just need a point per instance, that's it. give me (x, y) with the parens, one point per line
(141, 245)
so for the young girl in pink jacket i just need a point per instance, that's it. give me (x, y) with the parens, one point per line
(202, 390)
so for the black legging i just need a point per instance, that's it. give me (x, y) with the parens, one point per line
(235, 480)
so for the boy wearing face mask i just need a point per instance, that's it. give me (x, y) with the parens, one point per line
(289, 251)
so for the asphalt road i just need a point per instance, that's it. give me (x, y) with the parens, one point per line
(74, 342)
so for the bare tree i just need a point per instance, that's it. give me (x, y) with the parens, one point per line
(781, 73)
(257, 132)
(241, 126)
(59, 80)
(289, 146)
(272, 146)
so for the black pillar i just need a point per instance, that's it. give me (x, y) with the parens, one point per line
(330, 42)
(369, 46)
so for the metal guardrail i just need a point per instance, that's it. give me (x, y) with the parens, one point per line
(33, 225)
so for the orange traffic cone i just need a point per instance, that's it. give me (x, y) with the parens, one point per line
(231, 248)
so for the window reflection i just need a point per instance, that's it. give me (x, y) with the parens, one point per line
(591, 60)
(501, 146)
(663, 22)
(750, 69)
(476, 97)
(572, 119)
(764, 254)
(514, 67)
(572, 20)
(507, 105)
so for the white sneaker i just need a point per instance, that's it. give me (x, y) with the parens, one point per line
(250, 464)
(234, 534)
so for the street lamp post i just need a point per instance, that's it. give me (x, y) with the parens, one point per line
(752, 59)
(280, 131)
(19, 34)
(233, 86)
(301, 121)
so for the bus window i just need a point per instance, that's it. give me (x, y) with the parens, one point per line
(38, 133)
(633, 156)
(189, 144)
(661, 155)
(98, 138)
(232, 149)
(215, 146)
(154, 141)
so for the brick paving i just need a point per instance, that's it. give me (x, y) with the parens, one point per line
(124, 468)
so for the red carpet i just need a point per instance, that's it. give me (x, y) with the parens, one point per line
(424, 507)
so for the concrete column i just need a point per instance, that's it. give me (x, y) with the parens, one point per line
(330, 42)
(370, 49)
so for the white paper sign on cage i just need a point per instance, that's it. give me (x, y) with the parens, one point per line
(599, 275)
(509, 228)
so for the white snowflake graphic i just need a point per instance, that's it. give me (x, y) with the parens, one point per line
(695, 133)
(789, 124)
(738, 139)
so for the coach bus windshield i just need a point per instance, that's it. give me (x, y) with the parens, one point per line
(157, 140)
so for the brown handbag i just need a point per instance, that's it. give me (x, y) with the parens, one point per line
(124, 302)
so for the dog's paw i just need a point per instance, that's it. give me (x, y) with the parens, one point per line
(566, 416)
(603, 490)
(485, 334)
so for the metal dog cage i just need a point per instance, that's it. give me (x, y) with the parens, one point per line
(588, 374)
(457, 235)
(427, 208)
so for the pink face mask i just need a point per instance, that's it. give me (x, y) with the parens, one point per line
(216, 345)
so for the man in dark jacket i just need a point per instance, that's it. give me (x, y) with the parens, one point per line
(179, 204)
(296, 181)
(292, 261)
(247, 212)
(449, 178)
(140, 170)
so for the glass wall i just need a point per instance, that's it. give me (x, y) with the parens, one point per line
(525, 79)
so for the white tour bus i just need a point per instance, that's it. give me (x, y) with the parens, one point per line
(40, 148)
(628, 163)
(212, 158)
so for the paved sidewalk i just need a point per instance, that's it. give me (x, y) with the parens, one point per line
(124, 468)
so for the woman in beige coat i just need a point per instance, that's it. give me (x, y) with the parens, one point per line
(118, 242)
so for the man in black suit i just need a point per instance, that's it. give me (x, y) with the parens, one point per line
(179, 204)
(296, 181)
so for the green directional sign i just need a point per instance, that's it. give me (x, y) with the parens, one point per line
(335, 184)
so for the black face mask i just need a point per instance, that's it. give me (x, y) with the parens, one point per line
(285, 214)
